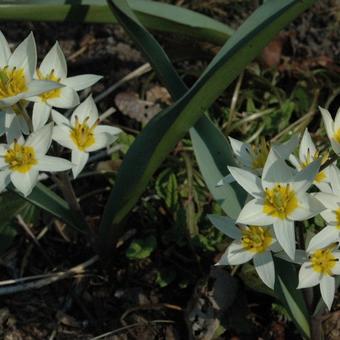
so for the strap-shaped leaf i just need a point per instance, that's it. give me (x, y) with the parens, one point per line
(167, 128)
(154, 15)
(47, 200)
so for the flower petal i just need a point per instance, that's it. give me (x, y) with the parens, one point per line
(285, 149)
(53, 164)
(36, 87)
(5, 51)
(41, 139)
(285, 235)
(307, 276)
(306, 146)
(334, 178)
(101, 140)
(79, 159)
(41, 113)
(327, 288)
(67, 99)
(226, 225)
(59, 118)
(236, 254)
(328, 121)
(304, 178)
(4, 179)
(264, 266)
(86, 109)
(54, 60)
(308, 207)
(111, 130)
(81, 82)
(248, 181)
(242, 151)
(61, 134)
(25, 182)
(329, 201)
(324, 238)
(252, 213)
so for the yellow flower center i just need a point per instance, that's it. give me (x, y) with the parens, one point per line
(256, 239)
(20, 158)
(12, 82)
(261, 152)
(82, 134)
(49, 94)
(323, 261)
(321, 176)
(280, 201)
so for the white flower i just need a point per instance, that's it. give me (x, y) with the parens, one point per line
(16, 83)
(253, 157)
(307, 154)
(21, 161)
(279, 198)
(82, 134)
(332, 128)
(320, 268)
(250, 243)
(54, 68)
(331, 233)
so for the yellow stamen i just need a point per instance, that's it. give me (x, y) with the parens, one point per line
(261, 152)
(280, 201)
(12, 82)
(82, 134)
(323, 261)
(20, 158)
(337, 136)
(256, 239)
(321, 176)
(337, 214)
(53, 93)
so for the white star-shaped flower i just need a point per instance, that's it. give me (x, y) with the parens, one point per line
(332, 128)
(82, 133)
(54, 68)
(21, 161)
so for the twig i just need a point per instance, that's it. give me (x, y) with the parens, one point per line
(14, 286)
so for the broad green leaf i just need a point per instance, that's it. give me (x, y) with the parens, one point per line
(153, 14)
(47, 200)
(163, 132)
(292, 298)
(141, 248)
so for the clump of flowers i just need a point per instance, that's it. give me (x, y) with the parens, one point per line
(287, 185)
(48, 86)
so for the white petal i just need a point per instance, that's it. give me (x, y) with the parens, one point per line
(236, 254)
(306, 146)
(294, 161)
(67, 99)
(82, 82)
(327, 288)
(41, 139)
(111, 130)
(285, 149)
(60, 119)
(223, 261)
(54, 60)
(41, 113)
(308, 207)
(25, 56)
(225, 180)
(53, 164)
(285, 234)
(324, 238)
(61, 134)
(248, 181)
(328, 121)
(12, 127)
(86, 109)
(25, 182)
(334, 178)
(330, 217)
(300, 256)
(337, 120)
(36, 87)
(226, 225)
(79, 159)
(242, 151)
(101, 140)
(252, 213)
(23, 126)
(307, 276)
(264, 266)
(330, 201)
(9, 101)
(304, 178)
(336, 268)
(275, 170)
(5, 51)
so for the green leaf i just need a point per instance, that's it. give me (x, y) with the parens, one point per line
(141, 248)
(285, 289)
(153, 14)
(163, 132)
(47, 200)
